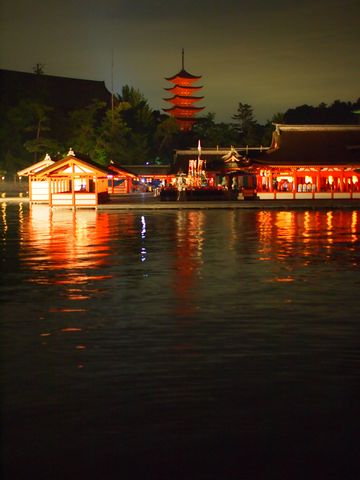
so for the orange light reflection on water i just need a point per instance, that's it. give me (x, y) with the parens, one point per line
(68, 249)
(288, 233)
(66, 241)
(188, 257)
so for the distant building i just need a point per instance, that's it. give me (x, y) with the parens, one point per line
(62, 93)
(183, 98)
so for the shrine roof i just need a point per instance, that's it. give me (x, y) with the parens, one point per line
(36, 167)
(62, 163)
(117, 169)
(313, 145)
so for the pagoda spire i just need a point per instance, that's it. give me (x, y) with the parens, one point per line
(183, 99)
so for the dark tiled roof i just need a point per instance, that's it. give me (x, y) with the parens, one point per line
(59, 92)
(313, 145)
(184, 74)
(119, 169)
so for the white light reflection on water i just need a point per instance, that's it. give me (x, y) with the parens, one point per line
(239, 331)
(143, 237)
(4, 220)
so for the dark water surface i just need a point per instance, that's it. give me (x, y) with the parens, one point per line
(205, 344)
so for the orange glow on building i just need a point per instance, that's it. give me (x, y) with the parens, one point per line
(183, 99)
(310, 162)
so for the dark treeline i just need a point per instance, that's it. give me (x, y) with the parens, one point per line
(129, 132)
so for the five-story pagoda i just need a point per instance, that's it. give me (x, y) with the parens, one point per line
(183, 98)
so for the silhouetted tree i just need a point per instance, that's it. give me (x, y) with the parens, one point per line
(84, 125)
(13, 123)
(141, 122)
(248, 129)
(112, 135)
(39, 126)
(214, 134)
(338, 112)
(165, 136)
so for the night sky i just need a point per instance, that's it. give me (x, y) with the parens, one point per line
(270, 54)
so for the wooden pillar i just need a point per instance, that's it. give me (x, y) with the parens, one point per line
(50, 192)
(342, 189)
(271, 189)
(96, 190)
(259, 185)
(30, 188)
(295, 180)
(318, 180)
(72, 190)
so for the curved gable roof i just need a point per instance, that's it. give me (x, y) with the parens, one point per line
(80, 166)
(313, 145)
(36, 167)
(183, 74)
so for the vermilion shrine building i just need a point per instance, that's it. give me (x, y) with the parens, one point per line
(303, 161)
(310, 161)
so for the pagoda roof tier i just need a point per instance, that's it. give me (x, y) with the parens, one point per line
(180, 90)
(186, 119)
(183, 111)
(183, 78)
(182, 99)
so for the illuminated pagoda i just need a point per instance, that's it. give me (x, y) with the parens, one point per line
(183, 98)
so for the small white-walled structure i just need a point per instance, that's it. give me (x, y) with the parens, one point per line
(70, 181)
